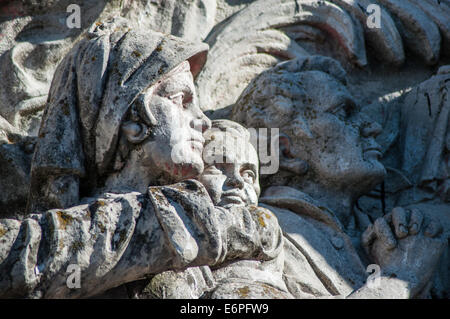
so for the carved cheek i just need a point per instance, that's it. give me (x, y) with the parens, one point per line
(213, 184)
(251, 196)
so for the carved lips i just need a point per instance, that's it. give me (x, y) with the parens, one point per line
(232, 197)
(373, 152)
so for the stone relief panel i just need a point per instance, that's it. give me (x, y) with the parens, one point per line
(109, 160)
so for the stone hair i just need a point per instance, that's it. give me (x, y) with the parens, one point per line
(268, 99)
(233, 128)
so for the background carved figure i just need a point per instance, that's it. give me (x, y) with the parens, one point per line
(328, 159)
(96, 120)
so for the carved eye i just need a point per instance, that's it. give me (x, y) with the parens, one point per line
(343, 111)
(249, 176)
(177, 98)
(188, 97)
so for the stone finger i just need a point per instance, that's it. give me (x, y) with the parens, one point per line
(368, 236)
(433, 229)
(399, 221)
(415, 221)
(384, 233)
(362, 219)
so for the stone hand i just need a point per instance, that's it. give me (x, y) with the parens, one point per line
(405, 245)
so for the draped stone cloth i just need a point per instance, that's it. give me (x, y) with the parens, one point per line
(248, 279)
(320, 260)
(315, 259)
(119, 238)
(425, 143)
(92, 90)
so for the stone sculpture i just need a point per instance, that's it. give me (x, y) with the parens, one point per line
(329, 158)
(35, 37)
(95, 159)
(279, 30)
(124, 230)
(416, 157)
(231, 179)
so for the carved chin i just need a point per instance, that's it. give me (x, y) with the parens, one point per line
(376, 168)
(185, 162)
(374, 175)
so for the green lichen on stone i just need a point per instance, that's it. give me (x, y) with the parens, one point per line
(261, 219)
(102, 228)
(77, 246)
(64, 219)
(101, 203)
(122, 237)
(244, 291)
(3, 231)
(65, 108)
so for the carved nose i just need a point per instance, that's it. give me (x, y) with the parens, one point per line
(206, 123)
(372, 129)
(235, 181)
(201, 124)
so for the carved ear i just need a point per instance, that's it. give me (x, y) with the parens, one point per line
(141, 111)
(135, 132)
(288, 161)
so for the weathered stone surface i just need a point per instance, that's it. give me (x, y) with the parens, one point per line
(108, 163)
(96, 84)
(231, 186)
(416, 155)
(34, 39)
(16, 149)
(281, 30)
(191, 20)
(118, 238)
(321, 127)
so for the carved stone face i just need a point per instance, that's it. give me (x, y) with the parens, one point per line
(176, 143)
(234, 182)
(341, 149)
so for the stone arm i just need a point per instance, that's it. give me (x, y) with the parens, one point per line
(119, 238)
